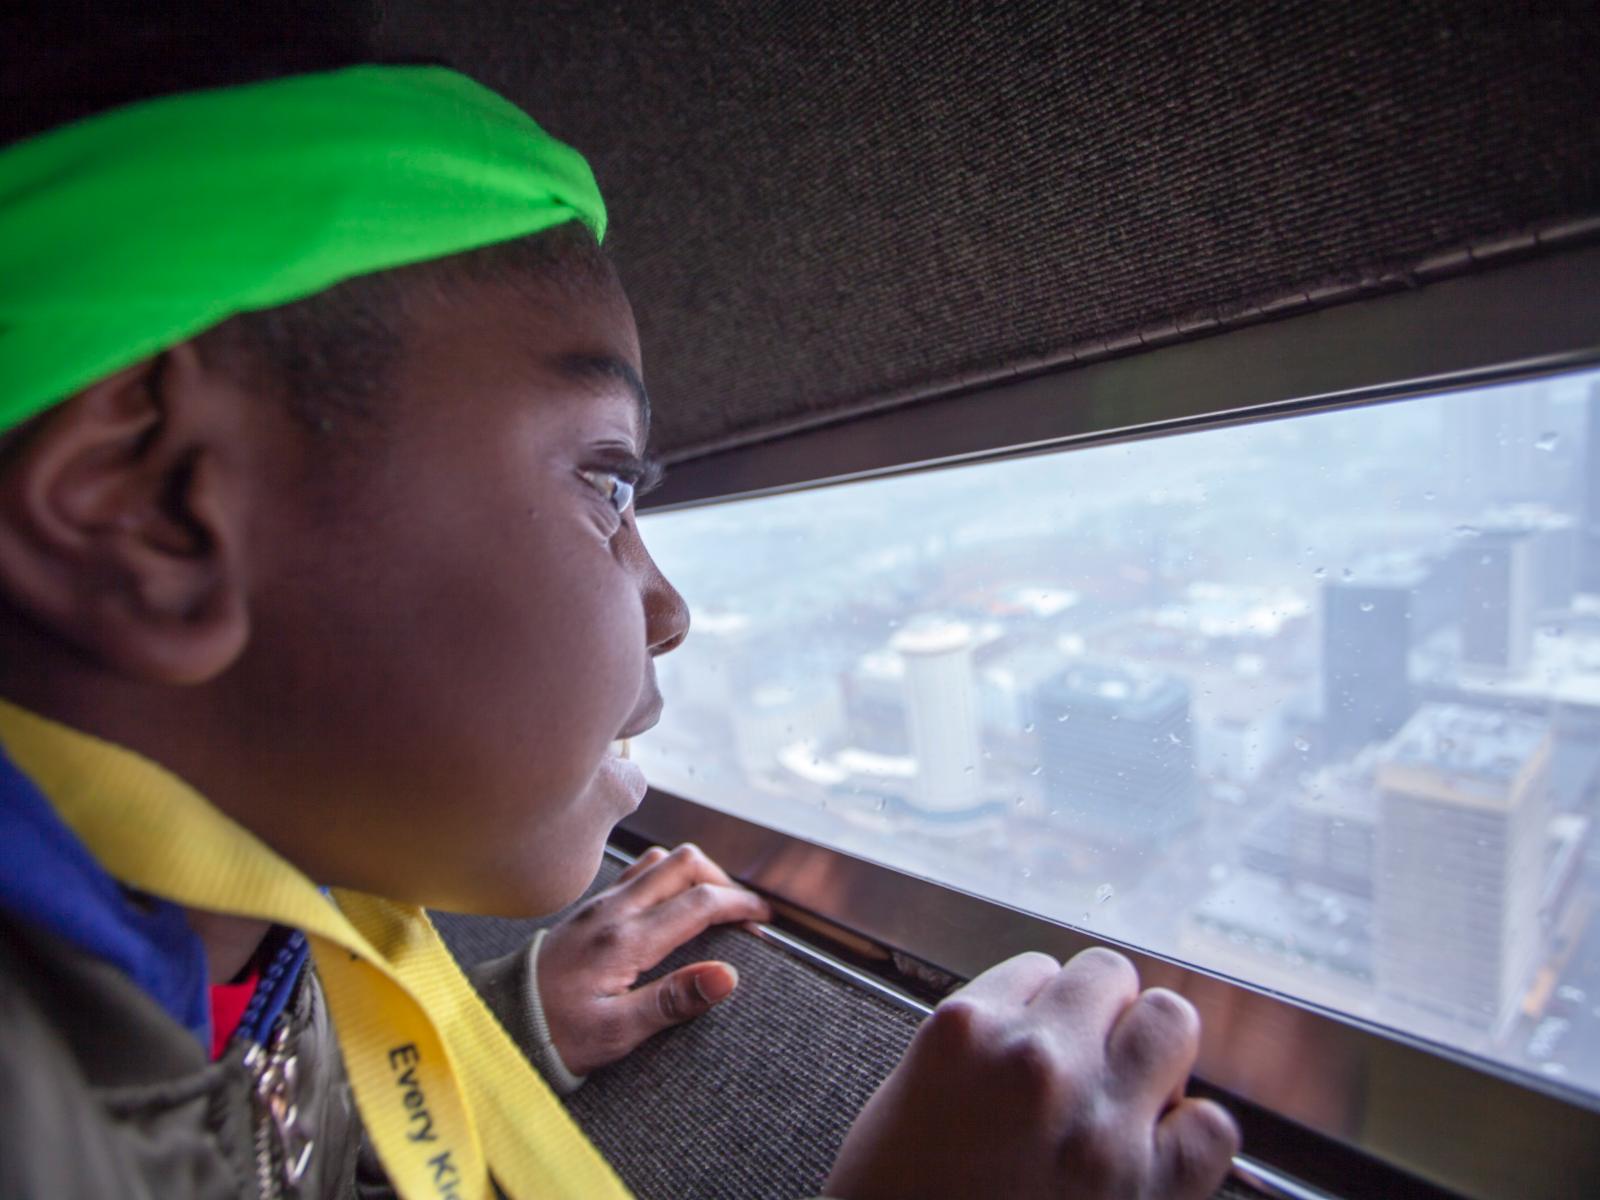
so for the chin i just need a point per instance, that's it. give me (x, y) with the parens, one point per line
(538, 894)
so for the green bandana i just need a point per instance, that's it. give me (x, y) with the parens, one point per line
(126, 233)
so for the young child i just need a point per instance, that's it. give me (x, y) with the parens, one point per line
(320, 424)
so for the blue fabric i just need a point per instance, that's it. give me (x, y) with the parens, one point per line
(277, 984)
(48, 879)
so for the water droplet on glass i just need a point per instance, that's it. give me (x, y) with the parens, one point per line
(1347, 573)
(1026, 873)
(1037, 770)
(1320, 573)
(1018, 802)
(1547, 441)
(1063, 718)
(1367, 606)
(881, 804)
(1103, 893)
(1174, 739)
(968, 769)
(1302, 745)
(1430, 495)
(1468, 531)
(1028, 728)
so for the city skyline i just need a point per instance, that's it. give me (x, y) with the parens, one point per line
(1160, 690)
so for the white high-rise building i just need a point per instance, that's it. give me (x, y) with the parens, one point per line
(1463, 821)
(942, 704)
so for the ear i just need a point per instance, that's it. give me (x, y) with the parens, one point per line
(121, 522)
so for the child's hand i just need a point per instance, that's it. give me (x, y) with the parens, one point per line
(588, 963)
(1037, 1080)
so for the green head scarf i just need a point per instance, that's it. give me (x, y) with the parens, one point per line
(125, 233)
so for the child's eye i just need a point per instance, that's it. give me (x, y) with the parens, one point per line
(616, 488)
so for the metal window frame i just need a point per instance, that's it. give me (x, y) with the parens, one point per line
(1461, 1124)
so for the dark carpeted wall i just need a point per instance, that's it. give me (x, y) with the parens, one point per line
(819, 204)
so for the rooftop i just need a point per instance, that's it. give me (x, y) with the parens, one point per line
(1483, 743)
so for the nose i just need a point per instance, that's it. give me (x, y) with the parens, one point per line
(666, 613)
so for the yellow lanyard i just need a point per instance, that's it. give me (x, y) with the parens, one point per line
(445, 1093)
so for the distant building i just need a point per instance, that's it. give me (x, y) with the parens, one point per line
(1240, 720)
(1366, 644)
(1116, 745)
(1554, 545)
(875, 702)
(942, 704)
(776, 724)
(1461, 867)
(1010, 676)
(1333, 831)
(1589, 567)
(1499, 589)
(1297, 938)
(1492, 440)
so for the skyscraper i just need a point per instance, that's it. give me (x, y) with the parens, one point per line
(1463, 813)
(1498, 594)
(943, 710)
(1589, 568)
(1116, 746)
(1366, 646)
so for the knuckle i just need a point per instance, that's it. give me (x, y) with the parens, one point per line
(671, 1004)
(687, 854)
(1205, 1141)
(1104, 960)
(957, 1025)
(1217, 1129)
(1172, 1011)
(1032, 1066)
(586, 912)
(704, 897)
(605, 939)
(1037, 960)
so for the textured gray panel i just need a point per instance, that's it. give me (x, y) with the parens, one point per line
(819, 203)
(749, 1101)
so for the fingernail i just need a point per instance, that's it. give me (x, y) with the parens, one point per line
(716, 985)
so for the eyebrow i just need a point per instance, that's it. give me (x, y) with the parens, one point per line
(606, 368)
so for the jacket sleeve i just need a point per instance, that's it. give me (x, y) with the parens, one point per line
(510, 987)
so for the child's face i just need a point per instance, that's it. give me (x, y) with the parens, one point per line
(440, 657)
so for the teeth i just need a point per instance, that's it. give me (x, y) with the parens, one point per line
(623, 749)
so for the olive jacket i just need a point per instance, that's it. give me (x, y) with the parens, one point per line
(103, 1094)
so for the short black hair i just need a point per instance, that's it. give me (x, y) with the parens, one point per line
(328, 356)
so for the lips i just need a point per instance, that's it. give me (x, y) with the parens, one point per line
(644, 720)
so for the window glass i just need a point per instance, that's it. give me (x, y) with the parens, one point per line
(1312, 702)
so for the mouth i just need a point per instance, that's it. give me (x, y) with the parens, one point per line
(643, 721)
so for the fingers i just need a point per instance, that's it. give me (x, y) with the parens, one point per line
(1152, 1049)
(1091, 991)
(1013, 982)
(691, 912)
(678, 997)
(1195, 1142)
(643, 863)
(668, 875)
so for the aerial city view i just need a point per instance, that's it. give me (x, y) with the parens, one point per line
(1313, 703)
